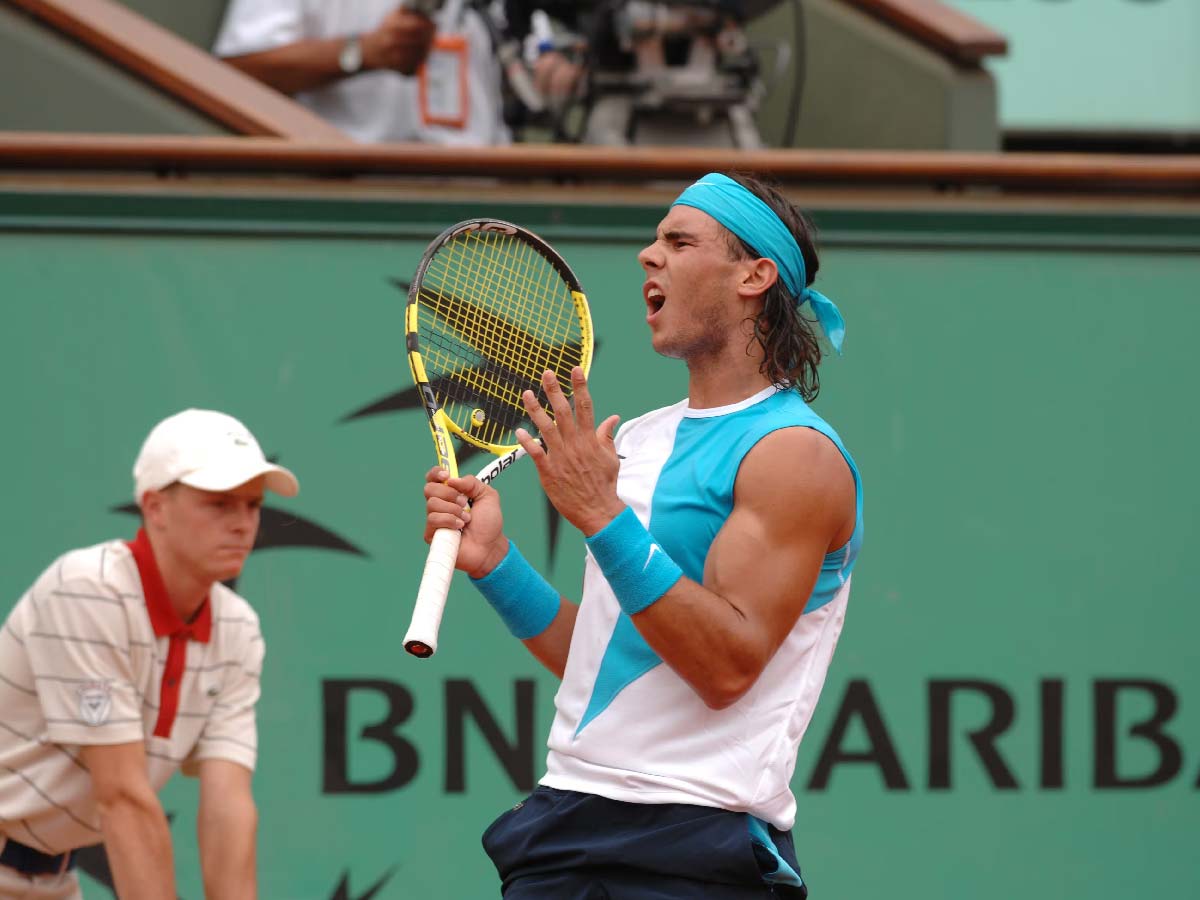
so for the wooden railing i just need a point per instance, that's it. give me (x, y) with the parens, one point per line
(943, 28)
(1177, 175)
(166, 60)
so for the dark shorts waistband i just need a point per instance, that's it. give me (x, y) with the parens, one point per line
(555, 833)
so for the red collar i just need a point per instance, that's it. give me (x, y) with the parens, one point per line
(163, 618)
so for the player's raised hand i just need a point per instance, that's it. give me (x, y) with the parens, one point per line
(400, 42)
(576, 461)
(471, 507)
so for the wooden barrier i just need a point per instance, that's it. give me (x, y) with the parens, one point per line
(1086, 172)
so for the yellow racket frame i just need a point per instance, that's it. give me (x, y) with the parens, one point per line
(441, 425)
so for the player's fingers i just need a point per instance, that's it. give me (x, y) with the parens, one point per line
(544, 424)
(448, 490)
(585, 414)
(533, 447)
(435, 522)
(563, 417)
(437, 473)
(442, 492)
(468, 486)
(454, 506)
(607, 431)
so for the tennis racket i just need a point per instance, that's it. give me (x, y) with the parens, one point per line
(492, 306)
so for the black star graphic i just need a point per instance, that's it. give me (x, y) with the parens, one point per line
(342, 891)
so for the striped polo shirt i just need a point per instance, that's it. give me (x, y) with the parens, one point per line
(86, 658)
(627, 727)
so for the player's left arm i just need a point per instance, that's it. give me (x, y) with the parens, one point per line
(227, 827)
(224, 759)
(794, 502)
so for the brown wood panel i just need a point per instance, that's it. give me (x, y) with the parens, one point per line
(945, 29)
(1087, 172)
(182, 70)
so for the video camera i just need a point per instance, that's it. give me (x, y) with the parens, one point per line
(664, 72)
(693, 78)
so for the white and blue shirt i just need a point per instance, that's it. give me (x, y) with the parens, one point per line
(627, 727)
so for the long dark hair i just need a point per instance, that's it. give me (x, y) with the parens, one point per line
(791, 351)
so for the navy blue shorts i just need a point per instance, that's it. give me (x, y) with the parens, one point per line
(564, 845)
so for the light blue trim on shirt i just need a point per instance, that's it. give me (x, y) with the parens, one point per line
(626, 659)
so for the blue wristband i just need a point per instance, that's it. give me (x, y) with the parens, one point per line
(526, 602)
(637, 568)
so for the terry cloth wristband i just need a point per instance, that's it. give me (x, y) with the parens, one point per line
(525, 601)
(637, 568)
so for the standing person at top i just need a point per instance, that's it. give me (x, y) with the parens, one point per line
(380, 70)
(128, 660)
(721, 535)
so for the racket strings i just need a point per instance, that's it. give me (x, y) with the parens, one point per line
(529, 293)
(498, 316)
(520, 345)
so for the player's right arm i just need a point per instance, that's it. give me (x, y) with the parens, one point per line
(468, 505)
(137, 838)
(77, 634)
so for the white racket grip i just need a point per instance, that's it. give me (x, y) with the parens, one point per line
(422, 637)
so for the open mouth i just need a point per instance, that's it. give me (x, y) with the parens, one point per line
(654, 301)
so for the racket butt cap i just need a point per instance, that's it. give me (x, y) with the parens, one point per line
(419, 649)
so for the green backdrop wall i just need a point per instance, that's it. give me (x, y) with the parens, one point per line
(1096, 65)
(1013, 708)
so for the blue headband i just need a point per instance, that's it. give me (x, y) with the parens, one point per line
(755, 223)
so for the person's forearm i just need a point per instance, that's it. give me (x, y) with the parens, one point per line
(530, 607)
(709, 643)
(551, 646)
(137, 840)
(301, 66)
(228, 857)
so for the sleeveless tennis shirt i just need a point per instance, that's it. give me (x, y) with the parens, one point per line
(626, 726)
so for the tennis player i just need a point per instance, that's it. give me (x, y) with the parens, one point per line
(721, 534)
(128, 660)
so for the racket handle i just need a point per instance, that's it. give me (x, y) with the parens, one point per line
(422, 637)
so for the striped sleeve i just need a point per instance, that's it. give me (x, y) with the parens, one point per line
(79, 648)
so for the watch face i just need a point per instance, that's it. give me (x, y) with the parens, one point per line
(350, 59)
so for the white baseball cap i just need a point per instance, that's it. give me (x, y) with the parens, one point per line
(206, 450)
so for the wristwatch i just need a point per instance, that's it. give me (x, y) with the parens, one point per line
(350, 59)
(427, 8)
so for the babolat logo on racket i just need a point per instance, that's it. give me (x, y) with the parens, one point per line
(501, 464)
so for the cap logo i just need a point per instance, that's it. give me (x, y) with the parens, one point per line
(239, 440)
